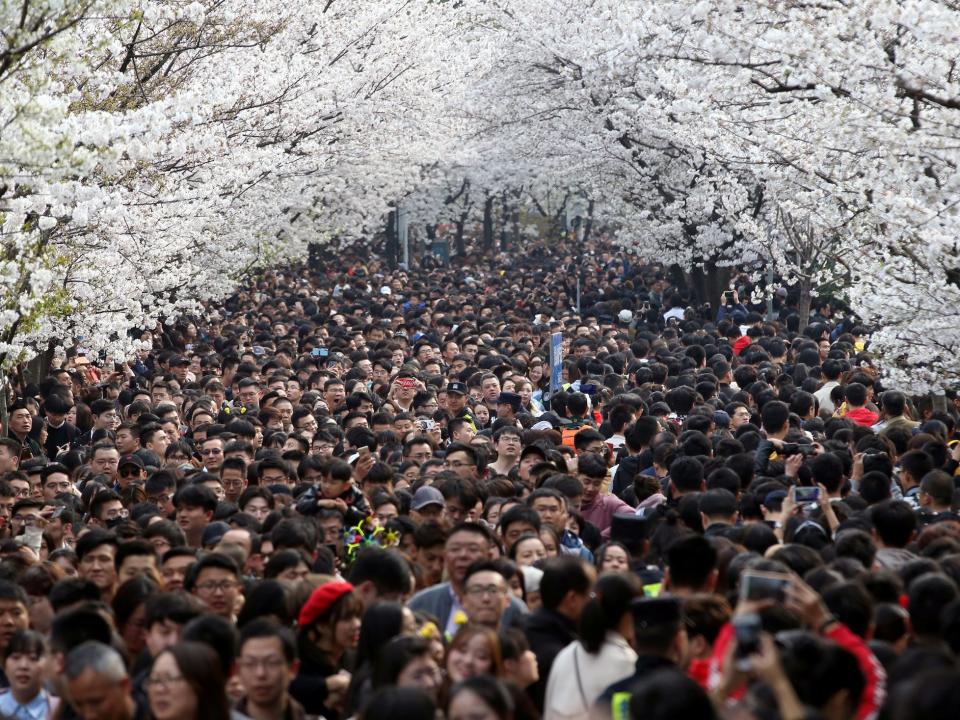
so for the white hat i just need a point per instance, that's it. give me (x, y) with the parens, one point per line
(385, 290)
(625, 316)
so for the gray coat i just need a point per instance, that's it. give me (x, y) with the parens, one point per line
(438, 601)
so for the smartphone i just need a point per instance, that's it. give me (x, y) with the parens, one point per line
(319, 352)
(588, 389)
(746, 630)
(803, 494)
(363, 451)
(757, 585)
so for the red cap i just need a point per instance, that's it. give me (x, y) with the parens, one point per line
(320, 601)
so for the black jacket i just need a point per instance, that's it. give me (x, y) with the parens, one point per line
(548, 633)
(357, 508)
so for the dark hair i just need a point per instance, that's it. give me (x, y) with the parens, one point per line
(395, 656)
(25, 642)
(130, 596)
(133, 548)
(211, 560)
(386, 569)
(11, 591)
(686, 474)
(195, 495)
(217, 633)
(852, 605)
(774, 415)
(894, 521)
(613, 595)
(668, 694)
(266, 628)
(856, 544)
(198, 665)
(827, 469)
(690, 560)
(76, 627)
(928, 595)
(178, 607)
(284, 560)
(402, 702)
(560, 576)
(267, 598)
(92, 540)
(381, 623)
(518, 514)
(491, 691)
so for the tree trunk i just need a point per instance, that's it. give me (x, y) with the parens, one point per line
(39, 367)
(504, 215)
(458, 241)
(588, 223)
(391, 249)
(707, 284)
(488, 222)
(806, 299)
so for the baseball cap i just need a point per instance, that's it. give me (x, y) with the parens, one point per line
(458, 388)
(213, 533)
(130, 460)
(427, 495)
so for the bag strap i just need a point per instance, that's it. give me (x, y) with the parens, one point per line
(576, 667)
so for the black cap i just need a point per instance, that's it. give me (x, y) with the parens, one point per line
(178, 361)
(130, 460)
(533, 450)
(458, 388)
(651, 613)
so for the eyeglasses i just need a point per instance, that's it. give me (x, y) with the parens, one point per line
(211, 451)
(271, 663)
(129, 471)
(212, 587)
(162, 683)
(457, 464)
(481, 590)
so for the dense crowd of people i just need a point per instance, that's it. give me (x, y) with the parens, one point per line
(350, 491)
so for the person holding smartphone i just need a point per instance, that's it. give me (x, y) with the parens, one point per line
(731, 308)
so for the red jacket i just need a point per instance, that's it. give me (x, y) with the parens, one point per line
(862, 416)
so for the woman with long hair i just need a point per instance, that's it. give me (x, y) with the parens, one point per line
(186, 683)
(602, 655)
(380, 624)
(474, 650)
(329, 629)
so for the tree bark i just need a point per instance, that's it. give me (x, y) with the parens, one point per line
(504, 216)
(458, 240)
(391, 249)
(488, 222)
(707, 284)
(806, 299)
